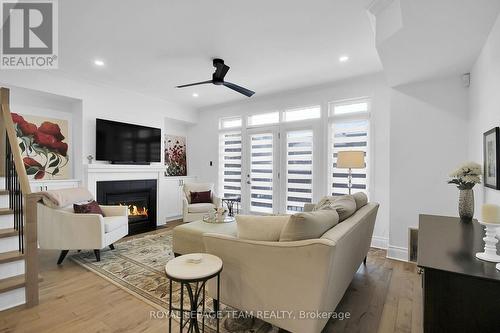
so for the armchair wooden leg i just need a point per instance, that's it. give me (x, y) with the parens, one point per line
(97, 255)
(62, 256)
(111, 246)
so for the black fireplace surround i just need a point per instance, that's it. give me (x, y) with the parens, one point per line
(138, 193)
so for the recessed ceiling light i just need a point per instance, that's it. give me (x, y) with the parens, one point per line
(99, 62)
(195, 95)
(343, 58)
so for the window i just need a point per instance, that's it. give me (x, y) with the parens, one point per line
(349, 108)
(313, 112)
(261, 172)
(227, 123)
(264, 119)
(349, 132)
(299, 169)
(230, 164)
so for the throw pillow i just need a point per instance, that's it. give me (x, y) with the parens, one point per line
(345, 205)
(261, 228)
(309, 225)
(91, 207)
(361, 199)
(201, 197)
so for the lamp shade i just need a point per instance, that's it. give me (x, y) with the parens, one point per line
(351, 159)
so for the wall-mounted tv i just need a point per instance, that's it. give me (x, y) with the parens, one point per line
(127, 143)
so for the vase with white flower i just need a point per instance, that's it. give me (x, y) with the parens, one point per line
(465, 178)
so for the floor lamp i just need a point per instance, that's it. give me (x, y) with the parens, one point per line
(351, 160)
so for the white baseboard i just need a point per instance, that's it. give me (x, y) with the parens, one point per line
(397, 253)
(173, 218)
(380, 242)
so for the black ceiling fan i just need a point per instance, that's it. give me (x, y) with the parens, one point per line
(218, 79)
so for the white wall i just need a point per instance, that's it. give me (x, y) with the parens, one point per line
(99, 101)
(203, 137)
(180, 128)
(485, 105)
(428, 140)
(29, 102)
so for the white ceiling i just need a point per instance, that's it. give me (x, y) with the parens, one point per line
(417, 40)
(152, 46)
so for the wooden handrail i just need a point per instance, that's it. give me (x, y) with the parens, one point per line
(11, 134)
(28, 228)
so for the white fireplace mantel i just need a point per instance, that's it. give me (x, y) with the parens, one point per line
(108, 172)
(102, 172)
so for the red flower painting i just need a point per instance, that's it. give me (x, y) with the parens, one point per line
(42, 147)
(175, 155)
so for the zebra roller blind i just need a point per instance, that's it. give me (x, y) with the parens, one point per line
(299, 169)
(349, 134)
(230, 164)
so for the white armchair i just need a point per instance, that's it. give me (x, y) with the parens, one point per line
(62, 229)
(193, 212)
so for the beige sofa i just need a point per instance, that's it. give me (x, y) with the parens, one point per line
(303, 277)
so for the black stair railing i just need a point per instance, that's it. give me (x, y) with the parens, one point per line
(13, 186)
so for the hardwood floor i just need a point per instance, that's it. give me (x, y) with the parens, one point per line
(385, 296)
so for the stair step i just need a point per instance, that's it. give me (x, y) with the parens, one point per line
(15, 282)
(10, 232)
(4, 192)
(12, 283)
(10, 256)
(6, 211)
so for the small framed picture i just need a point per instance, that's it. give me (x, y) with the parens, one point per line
(491, 143)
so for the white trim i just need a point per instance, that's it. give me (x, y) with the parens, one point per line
(95, 173)
(397, 253)
(380, 242)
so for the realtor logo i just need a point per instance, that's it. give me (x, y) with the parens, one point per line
(29, 35)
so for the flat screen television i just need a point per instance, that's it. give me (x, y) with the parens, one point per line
(127, 143)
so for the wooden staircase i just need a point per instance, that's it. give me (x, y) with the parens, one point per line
(19, 277)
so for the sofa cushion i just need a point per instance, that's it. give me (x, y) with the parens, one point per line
(361, 199)
(200, 207)
(345, 205)
(188, 237)
(91, 207)
(201, 197)
(309, 225)
(196, 187)
(112, 223)
(261, 228)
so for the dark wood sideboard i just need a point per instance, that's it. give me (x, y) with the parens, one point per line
(460, 293)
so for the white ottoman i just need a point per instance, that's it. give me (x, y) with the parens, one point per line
(187, 237)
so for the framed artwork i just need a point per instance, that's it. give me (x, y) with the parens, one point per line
(491, 143)
(175, 155)
(44, 144)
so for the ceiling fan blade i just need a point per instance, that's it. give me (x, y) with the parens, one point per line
(239, 89)
(194, 84)
(221, 71)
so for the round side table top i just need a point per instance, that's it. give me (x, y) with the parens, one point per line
(193, 266)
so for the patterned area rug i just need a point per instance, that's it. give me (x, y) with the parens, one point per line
(138, 266)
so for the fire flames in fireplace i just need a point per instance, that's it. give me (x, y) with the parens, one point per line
(134, 210)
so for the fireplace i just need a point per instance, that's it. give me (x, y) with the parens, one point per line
(138, 195)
